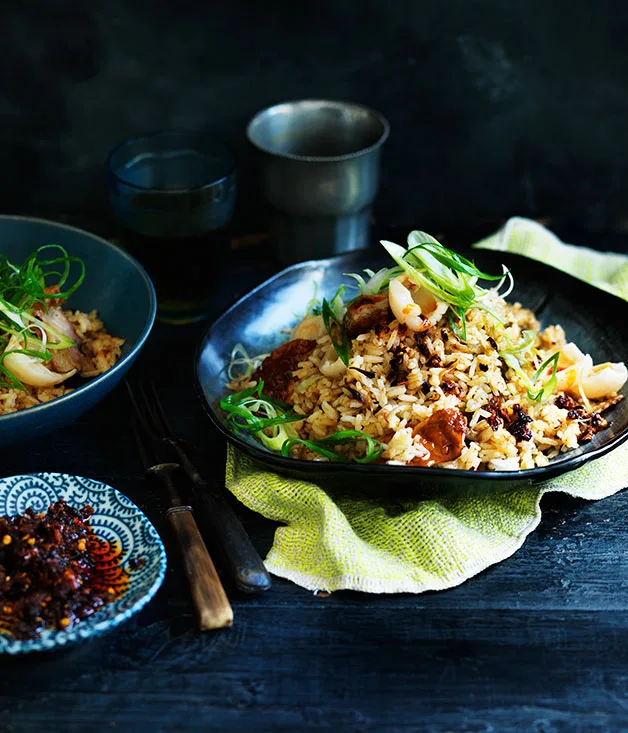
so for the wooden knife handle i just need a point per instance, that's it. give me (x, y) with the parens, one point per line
(224, 531)
(210, 600)
(234, 549)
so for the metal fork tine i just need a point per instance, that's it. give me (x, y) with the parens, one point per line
(137, 420)
(141, 412)
(161, 419)
(143, 449)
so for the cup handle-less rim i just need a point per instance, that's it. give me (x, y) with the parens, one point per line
(319, 158)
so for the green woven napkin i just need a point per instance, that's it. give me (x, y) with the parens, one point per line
(606, 270)
(385, 546)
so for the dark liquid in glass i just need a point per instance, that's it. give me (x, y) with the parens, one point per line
(173, 196)
(184, 269)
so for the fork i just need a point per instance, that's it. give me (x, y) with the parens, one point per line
(210, 600)
(239, 559)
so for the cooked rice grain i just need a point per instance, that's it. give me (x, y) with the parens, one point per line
(96, 343)
(438, 371)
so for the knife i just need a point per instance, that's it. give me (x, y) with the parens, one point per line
(240, 558)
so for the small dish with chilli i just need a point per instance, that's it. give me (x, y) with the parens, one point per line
(126, 547)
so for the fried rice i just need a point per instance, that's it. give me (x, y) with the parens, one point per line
(496, 394)
(397, 379)
(101, 348)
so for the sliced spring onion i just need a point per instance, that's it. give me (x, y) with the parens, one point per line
(337, 305)
(460, 332)
(66, 261)
(460, 297)
(377, 281)
(313, 309)
(446, 256)
(243, 410)
(280, 433)
(61, 341)
(10, 379)
(253, 412)
(548, 388)
(344, 437)
(450, 277)
(511, 361)
(529, 337)
(23, 293)
(240, 358)
(12, 313)
(343, 346)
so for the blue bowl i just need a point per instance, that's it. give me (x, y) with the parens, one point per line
(115, 285)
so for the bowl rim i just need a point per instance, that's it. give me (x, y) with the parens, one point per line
(121, 363)
(567, 462)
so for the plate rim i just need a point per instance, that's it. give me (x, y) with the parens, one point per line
(535, 475)
(62, 639)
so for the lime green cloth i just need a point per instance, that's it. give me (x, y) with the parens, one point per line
(384, 546)
(606, 270)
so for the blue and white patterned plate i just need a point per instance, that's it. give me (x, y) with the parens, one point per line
(115, 519)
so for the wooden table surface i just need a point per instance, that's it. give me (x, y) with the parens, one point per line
(537, 643)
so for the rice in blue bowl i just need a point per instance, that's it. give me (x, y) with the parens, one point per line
(110, 316)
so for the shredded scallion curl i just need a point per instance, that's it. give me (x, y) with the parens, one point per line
(49, 273)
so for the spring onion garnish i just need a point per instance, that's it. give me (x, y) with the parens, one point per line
(343, 346)
(377, 281)
(460, 332)
(240, 359)
(529, 337)
(548, 388)
(447, 257)
(511, 361)
(344, 437)
(43, 276)
(251, 411)
(22, 287)
(313, 308)
(337, 305)
(446, 274)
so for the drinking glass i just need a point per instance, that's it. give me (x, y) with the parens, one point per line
(173, 195)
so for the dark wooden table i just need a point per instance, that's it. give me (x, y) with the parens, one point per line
(537, 643)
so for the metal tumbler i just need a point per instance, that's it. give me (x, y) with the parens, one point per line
(319, 171)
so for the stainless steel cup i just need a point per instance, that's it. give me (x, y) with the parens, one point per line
(319, 171)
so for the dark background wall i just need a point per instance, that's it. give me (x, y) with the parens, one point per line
(497, 107)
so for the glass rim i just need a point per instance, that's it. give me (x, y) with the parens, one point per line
(165, 134)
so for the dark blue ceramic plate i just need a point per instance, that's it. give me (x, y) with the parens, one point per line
(115, 285)
(117, 521)
(595, 320)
